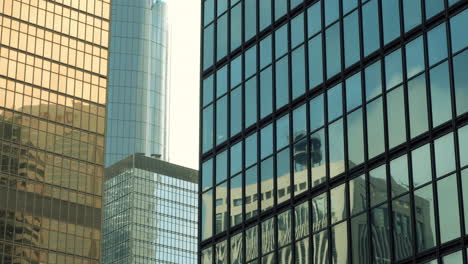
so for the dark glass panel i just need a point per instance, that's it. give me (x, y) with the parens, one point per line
(267, 188)
(266, 99)
(417, 106)
(298, 72)
(319, 212)
(315, 61)
(458, 31)
(440, 94)
(399, 176)
(336, 148)
(460, 64)
(375, 128)
(378, 185)
(355, 138)
(360, 239)
(221, 120)
(424, 217)
(282, 82)
(221, 166)
(317, 157)
(370, 27)
(396, 117)
(437, 44)
(380, 228)
(333, 50)
(236, 111)
(391, 20)
(402, 227)
(207, 174)
(449, 218)
(250, 105)
(283, 175)
(357, 195)
(351, 38)
(251, 193)
(335, 102)
(411, 14)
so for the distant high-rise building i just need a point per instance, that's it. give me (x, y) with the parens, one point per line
(138, 65)
(334, 131)
(150, 212)
(53, 81)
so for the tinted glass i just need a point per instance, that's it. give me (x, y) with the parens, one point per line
(456, 257)
(250, 105)
(297, 30)
(221, 208)
(302, 218)
(417, 105)
(265, 51)
(373, 77)
(402, 227)
(449, 218)
(458, 29)
(421, 159)
(460, 64)
(250, 18)
(250, 61)
(236, 27)
(314, 19)
(399, 175)
(221, 256)
(353, 92)
(437, 44)
(221, 120)
(355, 139)
(207, 128)
(221, 81)
(336, 150)
(379, 221)
(338, 209)
(251, 192)
(396, 117)
(357, 195)
(360, 239)
(393, 69)
(351, 38)
(375, 131)
(333, 50)
(268, 234)
(222, 6)
(236, 111)
(264, 13)
(298, 72)
(221, 167)
(440, 94)
(378, 185)
(282, 82)
(299, 122)
(332, 11)
(236, 71)
(236, 158)
(370, 27)
(237, 255)
(266, 92)
(281, 41)
(411, 14)
(281, 7)
(316, 112)
(207, 174)
(251, 243)
(284, 228)
(300, 157)
(208, 35)
(251, 150)
(433, 7)
(335, 102)
(348, 5)
(266, 141)
(282, 132)
(340, 247)
(208, 90)
(391, 20)
(315, 61)
(317, 159)
(464, 178)
(222, 37)
(319, 212)
(424, 209)
(283, 174)
(267, 187)
(208, 7)
(444, 155)
(207, 214)
(463, 146)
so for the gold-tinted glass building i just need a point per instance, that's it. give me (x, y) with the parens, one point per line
(53, 79)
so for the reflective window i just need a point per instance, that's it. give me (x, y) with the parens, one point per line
(417, 105)
(315, 61)
(222, 6)
(237, 203)
(456, 257)
(335, 102)
(221, 167)
(207, 256)
(333, 50)
(207, 174)
(414, 56)
(302, 251)
(351, 38)
(396, 117)
(268, 234)
(433, 7)
(264, 13)
(236, 158)
(282, 82)
(266, 99)
(355, 138)
(391, 20)
(339, 244)
(444, 155)
(250, 105)
(353, 92)
(421, 163)
(283, 175)
(299, 122)
(208, 90)
(317, 158)
(295, 3)
(425, 222)
(300, 156)
(375, 129)
(319, 212)
(221, 120)
(399, 176)
(370, 27)
(221, 37)
(207, 128)
(440, 94)
(282, 132)
(236, 111)
(265, 51)
(349, 5)
(437, 44)
(236, 27)
(236, 71)
(379, 222)
(281, 7)
(221, 81)
(302, 218)
(267, 187)
(411, 14)
(357, 195)
(251, 150)
(447, 198)
(250, 9)
(360, 239)
(207, 215)
(266, 141)
(251, 193)
(284, 228)
(208, 11)
(208, 35)
(281, 41)
(373, 76)
(251, 243)
(298, 72)
(458, 31)
(237, 253)
(221, 208)
(463, 146)
(250, 61)
(402, 227)
(332, 9)
(460, 64)
(464, 179)
(297, 30)
(316, 112)
(338, 202)
(314, 19)
(378, 185)
(336, 151)
(393, 69)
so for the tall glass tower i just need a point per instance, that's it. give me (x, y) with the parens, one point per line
(137, 111)
(53, 82)
(334, 131)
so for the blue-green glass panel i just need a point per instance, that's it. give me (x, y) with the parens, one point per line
(281, 41)
(298, 72)
(370, 27)
(282, 132)
(208, 46)
(396, 117)
(351, 38)
(335, 102)
(458, 31)
(207, 128)
(251, 156)
(440, 94)
(314, 19)
(208, 90)
(411, 14)
(463, 146)
(333, 50)
(236, 71)
(282, 82)
(281, 7)
(236, 158)
(236, 27)
(315, 61)
(316, 113)
(424, 208)
(449, 217)
(207, 174)
(264, 13)
(355, 138)
(421, 164)
(417, 102)
(414, 57)
(250, 61)
(236, 111)
(444, 151)
(393, 69)
(250, 105)
(297, 30)
(460, 64)
(399, 176)
(221, 81)
(336, 148)
(266, 97)
(222, 37)
(373, 80)
(437, 44)
(221, 120)
(266, 141)
(391, 20)
(349, 5)
(221, 166)
(433, 7)
(300, 122)
(250, 18)
(375, 128)
(332, 11)
(265, 51)
(208, 11)
(353, 92)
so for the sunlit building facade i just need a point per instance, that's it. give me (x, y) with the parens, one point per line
(150, 212)
(334, 131)
(138, 65)
(53, 81)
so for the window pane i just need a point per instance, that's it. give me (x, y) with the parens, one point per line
(351, 38)
(355, 139)
(315, 61)
(375, 128)
(250, 61)
(236, 158)
(250, 18)
(208, 49)
(425, 222)
(284, 228)
(417, 105)
(370, 27)
(464, 178)
(221, 120)
(317, 159)
(300, 157)
(283, 170)
(268, 234)
(295, 3)
(380, 222)
(414, 56)
(335, 132)
(281, 7)
(357, 195)
(236, 200)
(332, 9)
(282, 132)
(282, 82)
(207, 174)
(251, 193)
(447, 197)
(237, 256)
(265, 92)
(302, 251)
(314, 19)
(251, 243)
(236, 27)
(236, 111)
(338, 203)
(437, 44)
(207, 128)
(396, 117)
(391, 20)
(348, 5)
(266, 141)
(221, 208)
(393, 69)
(460, 64)
(319, 212)
(456, 257)
(360, 239)
(267, 188)
(222, 6)
(333, 50)
(208, 90)
(463, 146)
(412, 14)
(208, 11)
(298, 72)
(399, 175)
(221, 81)
(402, 230)
(378, 185)
(353, 92)
(444, 155)
(264, 13)
(265, 51)
(221, 37)
(302, 219)
(340, 246)
(236, 71)
(458, 31)
(221, 167)
(250, 102)
(281, 41)
(433, 7)
(299, 122)
(251, 150)
(373, 76)
(440, 94)
(335, 102)
(207, 256)
(207, 214)
(297, 30)
(421, 161)
(316, 112)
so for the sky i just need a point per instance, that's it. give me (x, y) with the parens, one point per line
(184, 52)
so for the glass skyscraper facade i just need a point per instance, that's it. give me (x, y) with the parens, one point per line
(53, 80)
(150, 212)
(137, 108)
(334, 131)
